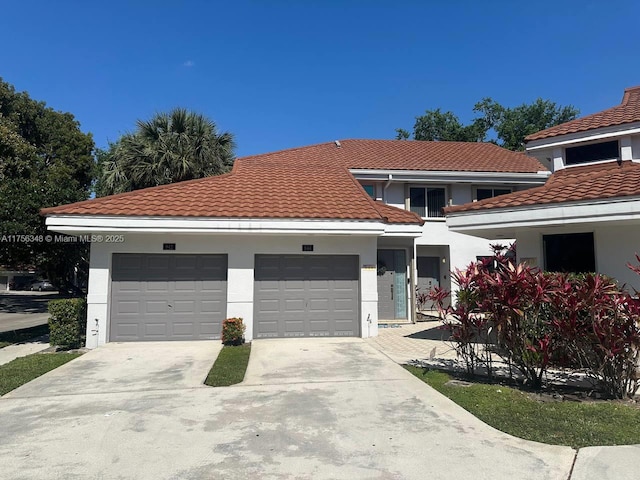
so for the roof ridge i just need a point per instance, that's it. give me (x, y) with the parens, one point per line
(291, 149)
(628, 94)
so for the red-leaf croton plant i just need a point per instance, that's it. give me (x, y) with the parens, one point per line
(533, 320)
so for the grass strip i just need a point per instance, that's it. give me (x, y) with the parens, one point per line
(578, 424)
(230, 366)
(24, 369)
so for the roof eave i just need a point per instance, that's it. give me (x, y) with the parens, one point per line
(89, 224)
(601, 133)
(488, 223)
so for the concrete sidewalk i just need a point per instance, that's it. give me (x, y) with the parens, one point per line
(11, 352)
(408, 342)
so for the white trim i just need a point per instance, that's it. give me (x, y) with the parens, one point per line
(87, 224)
(420, 176)
(400, 230)
(599, 211)
(589, 135)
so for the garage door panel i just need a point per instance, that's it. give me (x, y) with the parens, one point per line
(170, 296)
(185, 286)
(213, 307)
(127, 307)
(185, 307)
(211, 286)
(124, 286)
(157, 307)
(155, 286)
(154, 329)
(305, 295)
(183, 328)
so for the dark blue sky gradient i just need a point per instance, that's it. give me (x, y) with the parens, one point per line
(281, 74)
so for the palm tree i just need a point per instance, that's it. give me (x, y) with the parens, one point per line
(171, 147)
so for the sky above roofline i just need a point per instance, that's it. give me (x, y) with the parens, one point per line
(281, 74)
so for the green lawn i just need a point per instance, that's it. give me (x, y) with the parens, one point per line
(557, 423)
(24, 369)
(26, 334)
(230, 366)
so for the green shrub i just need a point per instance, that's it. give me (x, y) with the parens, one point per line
(68, 321)
(233, 331)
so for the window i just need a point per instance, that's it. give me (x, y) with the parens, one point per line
(592, 153)
(427, 201)
(572, 252)
(490, 192)
(371, 190)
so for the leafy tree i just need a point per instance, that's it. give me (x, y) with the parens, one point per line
(45, 160)
(171, 147)
(509, 125)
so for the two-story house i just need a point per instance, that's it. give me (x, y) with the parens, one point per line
(587, 216)
(323, 240)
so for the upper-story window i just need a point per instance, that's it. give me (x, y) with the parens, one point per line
(490, 192)
(592, 153)
(371, 190)
(427, 201)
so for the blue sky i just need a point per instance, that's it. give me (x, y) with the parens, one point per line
(281, 74)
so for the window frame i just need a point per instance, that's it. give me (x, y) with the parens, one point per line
(590, 162)
(546, 252)
(375, 189)
(489, 187)
(425, 187)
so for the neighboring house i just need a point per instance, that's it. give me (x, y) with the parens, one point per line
(15, 278)
(587, 216)
(324, 240)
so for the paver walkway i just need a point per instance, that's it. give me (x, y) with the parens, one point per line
(406, 341)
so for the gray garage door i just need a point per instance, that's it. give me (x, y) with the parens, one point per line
(167, 297)
(306, 296)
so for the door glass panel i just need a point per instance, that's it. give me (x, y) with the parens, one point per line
(400, 283)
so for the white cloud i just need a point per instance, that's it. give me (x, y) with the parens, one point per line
(189, 64)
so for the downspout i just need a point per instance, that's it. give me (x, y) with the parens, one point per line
(384, 189)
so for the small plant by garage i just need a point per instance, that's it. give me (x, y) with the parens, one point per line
(233, 331)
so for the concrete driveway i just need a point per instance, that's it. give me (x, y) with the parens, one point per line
(128, 367)
(308, 409)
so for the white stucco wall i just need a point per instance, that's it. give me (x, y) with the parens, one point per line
(460, 193)
(615, 246)
(462, 249)
(394, 195)
(241, 251)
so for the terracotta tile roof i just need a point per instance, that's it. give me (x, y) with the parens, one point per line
(260, 192)
(574, 184)
(406, 155)
(308, 182)
(627, 112)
